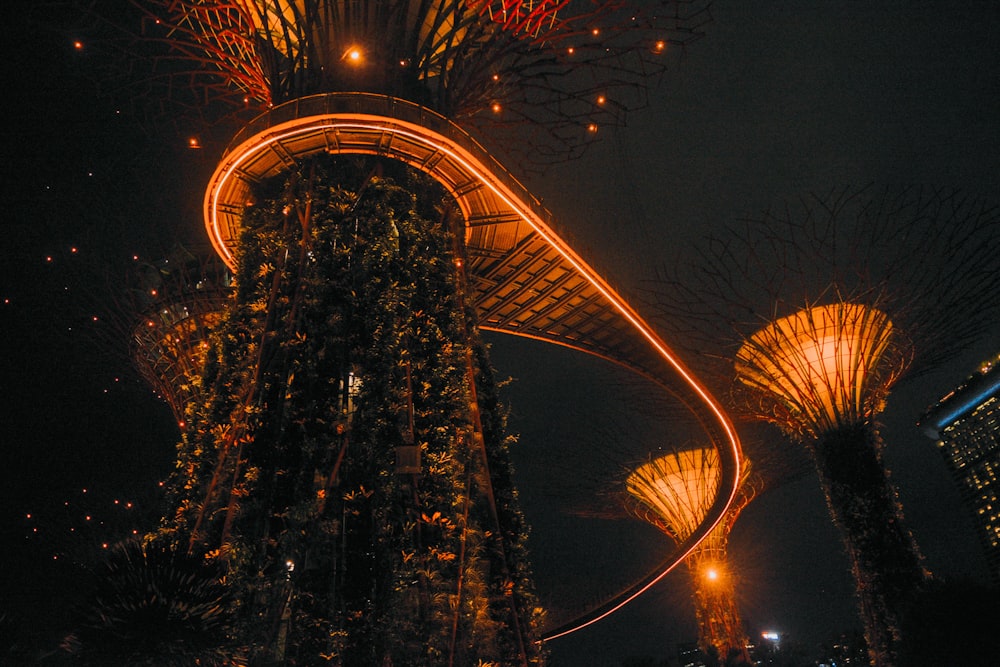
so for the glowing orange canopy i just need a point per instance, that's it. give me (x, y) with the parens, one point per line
(821, 367)
(678, 488)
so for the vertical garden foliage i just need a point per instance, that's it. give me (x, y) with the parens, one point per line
(348, 320)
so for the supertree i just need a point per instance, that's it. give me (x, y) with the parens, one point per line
(507, 68)
(674, 492)
(346, 457)
(826, 307)
(169, 313)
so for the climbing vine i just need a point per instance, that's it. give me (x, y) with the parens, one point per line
(347, 346)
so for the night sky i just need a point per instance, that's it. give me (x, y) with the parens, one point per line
(775, 102)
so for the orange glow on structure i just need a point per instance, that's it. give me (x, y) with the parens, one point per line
(679, 488)
(820, 367)
(674, 493)
(403, 138)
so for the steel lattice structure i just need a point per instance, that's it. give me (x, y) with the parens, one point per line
(674, 492)
(181, 303)
(827, 307)
(391, 80)
(567, 68)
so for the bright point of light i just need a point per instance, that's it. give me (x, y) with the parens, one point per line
(571, 50)
(712, 574)
(353, 54)
(592, 128)
(496, 107)
(601, 99)
(659, 46)
(595, 32)
(78, 45)
(770, 635)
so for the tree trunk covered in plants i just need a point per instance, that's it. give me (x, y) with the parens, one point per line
(884, 557)
(348, 327)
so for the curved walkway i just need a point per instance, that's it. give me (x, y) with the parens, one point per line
(525, 280)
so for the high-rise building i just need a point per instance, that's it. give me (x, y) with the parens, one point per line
(966, 425)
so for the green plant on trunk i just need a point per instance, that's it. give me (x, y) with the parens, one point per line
(348, 339)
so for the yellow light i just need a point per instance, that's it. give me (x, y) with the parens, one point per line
(353, 55)
(712, 574)
(660, 46)
(819, 363)
(595, 32)
(571, 50)
(496, 107)
(592, 128)
(601, 99)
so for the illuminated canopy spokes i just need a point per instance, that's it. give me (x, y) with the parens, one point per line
(821, 367)
(678, 489)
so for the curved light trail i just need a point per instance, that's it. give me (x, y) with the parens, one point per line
(557, 297)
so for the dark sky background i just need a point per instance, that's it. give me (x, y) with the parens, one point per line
(779, 99)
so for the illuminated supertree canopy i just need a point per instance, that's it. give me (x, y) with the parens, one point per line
(345, 456)
(674, 493)
(822, 367)
(826, 308)
(172, 315)
(568, 68)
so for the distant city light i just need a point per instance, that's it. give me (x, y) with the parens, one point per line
(771, 636)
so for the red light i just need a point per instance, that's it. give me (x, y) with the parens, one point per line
(78, 45)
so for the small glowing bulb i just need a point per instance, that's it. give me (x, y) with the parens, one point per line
(592, 128)
(659, 46)
(571, 50)
(78, 45)
(595, 32)
(712, 574)
(496, 107)
(601, 99)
